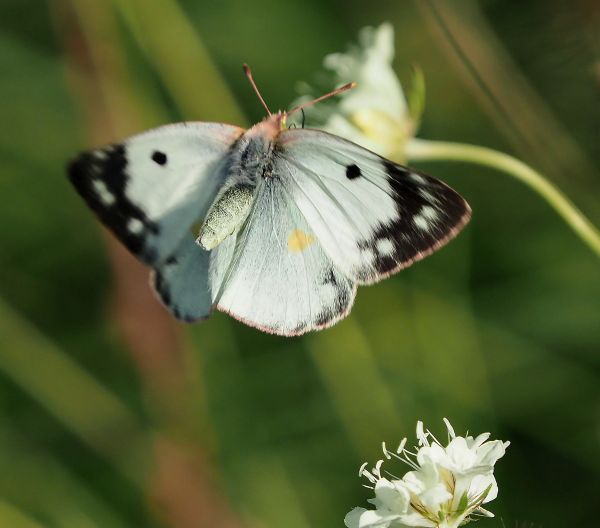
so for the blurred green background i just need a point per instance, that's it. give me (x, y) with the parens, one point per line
(112, 415)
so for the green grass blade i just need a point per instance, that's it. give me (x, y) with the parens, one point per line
(12, 517)
(181, 60)
(51, 377)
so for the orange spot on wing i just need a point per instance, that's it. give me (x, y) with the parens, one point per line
(299, 240)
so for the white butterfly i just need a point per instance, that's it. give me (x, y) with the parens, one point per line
(292, 219)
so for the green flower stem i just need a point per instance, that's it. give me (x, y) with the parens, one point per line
(425, 150)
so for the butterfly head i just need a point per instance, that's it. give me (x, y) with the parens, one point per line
(281, 119)
(270, 127)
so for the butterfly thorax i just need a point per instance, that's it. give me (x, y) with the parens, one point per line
(251, 161)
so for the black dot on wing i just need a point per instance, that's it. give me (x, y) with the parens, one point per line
(159, 157)
(352, 171)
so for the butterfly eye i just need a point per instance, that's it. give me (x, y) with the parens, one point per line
(352, 171)
(159, 157)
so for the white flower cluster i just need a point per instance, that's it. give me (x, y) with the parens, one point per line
(446, 487)
(375, 114)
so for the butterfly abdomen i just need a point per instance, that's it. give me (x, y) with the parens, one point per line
(226, 215)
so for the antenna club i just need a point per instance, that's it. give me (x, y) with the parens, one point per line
(337, 91)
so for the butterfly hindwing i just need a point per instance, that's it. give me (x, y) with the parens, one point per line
(373, 217)
(181, 281)
(274, 274)
(151, 188)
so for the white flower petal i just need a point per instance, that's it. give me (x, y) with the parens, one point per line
(490, 452)
(393, 496)
(480, 483)
(370, 67)
(361, 518)
(415, 519)
(434, 496)
(413, 482)
(427, 485)
(435, 454)
(461, 458)
(420, 480)
(480, 439)
(353, 517)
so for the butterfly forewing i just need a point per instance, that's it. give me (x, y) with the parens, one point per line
(274, 274)
(372, 216)
(152, 187)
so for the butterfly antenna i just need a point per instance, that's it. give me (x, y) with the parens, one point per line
(337, 91)
(248, 72)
